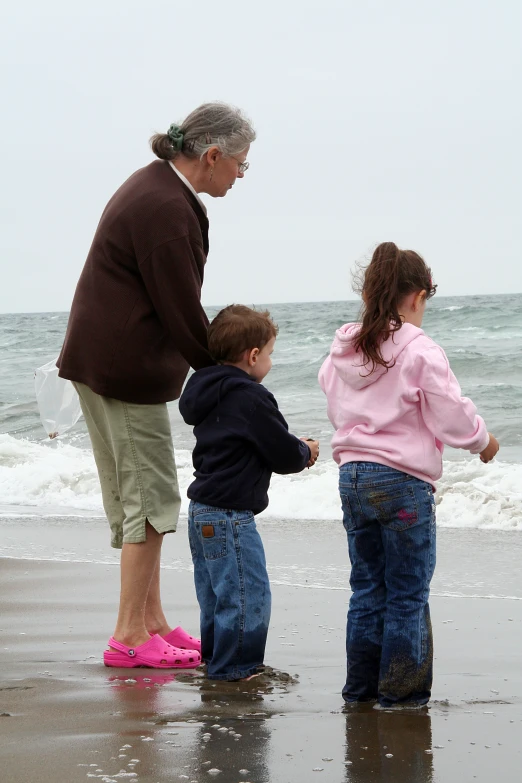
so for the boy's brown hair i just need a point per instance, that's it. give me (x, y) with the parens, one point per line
(236, 329)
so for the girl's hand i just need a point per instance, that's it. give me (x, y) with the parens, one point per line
(491, 449)
(313, 445)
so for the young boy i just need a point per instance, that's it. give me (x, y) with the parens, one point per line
(241, 439)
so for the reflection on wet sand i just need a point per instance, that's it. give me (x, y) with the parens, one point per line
(227, 733)
(134, 753)
(126, 684)
(233, 731)
(391, 747)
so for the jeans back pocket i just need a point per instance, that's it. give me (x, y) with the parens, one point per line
(395, 506)
(211, 528)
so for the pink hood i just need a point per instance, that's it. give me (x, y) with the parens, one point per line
(400, 417)
(348, 364)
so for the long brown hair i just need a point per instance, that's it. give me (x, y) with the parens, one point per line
(390, 276)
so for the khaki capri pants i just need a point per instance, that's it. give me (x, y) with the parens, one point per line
(134, 455)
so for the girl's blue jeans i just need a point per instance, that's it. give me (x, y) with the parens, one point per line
(389, 518)
(232, 588)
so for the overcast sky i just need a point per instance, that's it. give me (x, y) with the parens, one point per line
(377, 120)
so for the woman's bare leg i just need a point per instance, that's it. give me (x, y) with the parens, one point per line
(139, 563)
(155, 620)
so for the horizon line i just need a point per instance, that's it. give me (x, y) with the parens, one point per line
(300, 302)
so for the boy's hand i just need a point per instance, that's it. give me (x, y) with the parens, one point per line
(313, 445)
(490, 450)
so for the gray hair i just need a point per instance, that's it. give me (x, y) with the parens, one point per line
(210, 125)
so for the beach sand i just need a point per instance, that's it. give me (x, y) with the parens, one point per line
(65, 717)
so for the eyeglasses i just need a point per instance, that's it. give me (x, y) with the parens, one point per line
(242, 166)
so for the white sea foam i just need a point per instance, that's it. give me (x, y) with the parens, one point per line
(54, 478)
(451, 308)
(33, 474)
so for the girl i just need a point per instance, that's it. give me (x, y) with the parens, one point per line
(394, 403)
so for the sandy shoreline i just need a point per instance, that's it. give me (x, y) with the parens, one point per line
(69, 718)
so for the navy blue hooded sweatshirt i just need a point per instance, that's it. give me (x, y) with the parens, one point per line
(241, 439)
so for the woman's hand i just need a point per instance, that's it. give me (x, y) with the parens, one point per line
(491, 449)
(313, 445)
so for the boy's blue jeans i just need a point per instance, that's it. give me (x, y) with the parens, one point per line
(389, 517)
(232, 588)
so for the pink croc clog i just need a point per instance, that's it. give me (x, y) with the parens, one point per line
(154, 654)
(180, 638)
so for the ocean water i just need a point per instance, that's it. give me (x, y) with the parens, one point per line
(482, 336)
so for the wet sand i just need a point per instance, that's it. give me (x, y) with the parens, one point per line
(65, 717)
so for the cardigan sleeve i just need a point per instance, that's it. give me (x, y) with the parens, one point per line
(173, 281)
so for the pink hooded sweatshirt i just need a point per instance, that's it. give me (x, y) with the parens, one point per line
(401, 417)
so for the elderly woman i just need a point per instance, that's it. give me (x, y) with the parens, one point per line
(135, 328)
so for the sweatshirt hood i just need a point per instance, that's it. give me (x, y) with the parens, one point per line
(207, 388)
(349, 364)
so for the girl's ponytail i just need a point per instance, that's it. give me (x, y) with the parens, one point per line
(391, 275)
